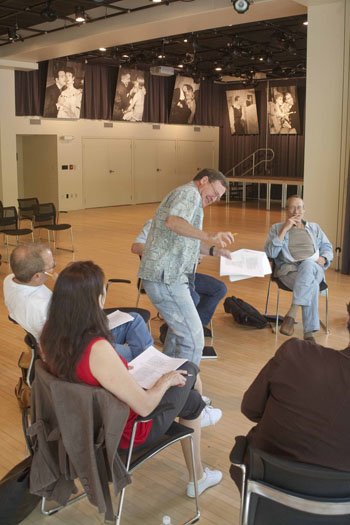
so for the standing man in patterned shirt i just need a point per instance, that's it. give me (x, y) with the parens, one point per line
(170, 258)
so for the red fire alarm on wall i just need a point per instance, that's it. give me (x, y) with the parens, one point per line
(71, 167)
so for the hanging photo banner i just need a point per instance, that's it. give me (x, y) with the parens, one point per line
(243, 116)
(64, 89)
(185, 100)
(129, 100)
(283, 111)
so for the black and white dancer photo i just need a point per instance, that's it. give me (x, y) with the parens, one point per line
(64, 89)
(241, 105)
(283, 111)
(185, 99)
(129, 101)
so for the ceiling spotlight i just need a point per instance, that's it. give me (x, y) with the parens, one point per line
(102, 49)
(125, 55)
(241, 6)
(80, 15)
(48, 13)
(156, 1)
(161, 56)
(180, 65)
(218, 68)
(305, 23)
(12, 34)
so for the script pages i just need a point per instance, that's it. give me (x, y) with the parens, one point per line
(245, 264)
(151, 364)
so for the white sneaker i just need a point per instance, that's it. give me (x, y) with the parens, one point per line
(210, 416)
(206, 400)
(210, 478)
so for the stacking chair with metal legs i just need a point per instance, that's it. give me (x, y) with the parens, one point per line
(145, 314)
(106, 413)
(45, 216)
(26, 208)
(280, 286)
(276, 491)
(9, 226)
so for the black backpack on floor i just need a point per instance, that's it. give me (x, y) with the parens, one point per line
(244, 313)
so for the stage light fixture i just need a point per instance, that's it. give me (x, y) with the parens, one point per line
(80, 15)
(49, 13)
(241, 6)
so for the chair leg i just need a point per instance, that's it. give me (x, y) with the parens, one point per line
(277, 309)
(54, 240)
(195, 481)
(268, 297)
(139, 293)
(325, 326)
(7, 248)
(212, 330)
(71, 236)
(59, 507)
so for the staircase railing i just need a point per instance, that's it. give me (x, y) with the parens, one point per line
(269, 156)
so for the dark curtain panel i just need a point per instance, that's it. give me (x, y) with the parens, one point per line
(158, 98)
(345, 267)
(30, 91)
(99, 90)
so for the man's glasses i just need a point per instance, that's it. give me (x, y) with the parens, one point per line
(217, 195)
(47, 272)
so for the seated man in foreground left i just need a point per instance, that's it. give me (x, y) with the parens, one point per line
(27, 299)
(301, 252)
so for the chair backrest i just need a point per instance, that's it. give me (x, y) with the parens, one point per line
(9, 220)
(313, 483)
(26, 207)
(44, 214)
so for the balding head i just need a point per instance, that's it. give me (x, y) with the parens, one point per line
(28, 259)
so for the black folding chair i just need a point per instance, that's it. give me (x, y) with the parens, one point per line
(45, 216)
(9, 226)
(276, 491)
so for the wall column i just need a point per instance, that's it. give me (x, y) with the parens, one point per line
(8, 165)
(327, 133)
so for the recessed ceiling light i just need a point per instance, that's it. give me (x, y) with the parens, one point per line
(156, 1)
(218, 68)
(261, 59)
(102, 49)
(185, 40)
(125, 56)
(180, 65)
(305, 23)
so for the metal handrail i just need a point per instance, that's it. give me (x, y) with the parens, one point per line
(254, 164)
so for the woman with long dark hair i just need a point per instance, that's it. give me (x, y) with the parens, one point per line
(78, 347)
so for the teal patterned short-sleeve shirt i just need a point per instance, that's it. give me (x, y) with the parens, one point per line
(167, 256)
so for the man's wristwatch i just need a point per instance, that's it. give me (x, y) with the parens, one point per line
(211, 250)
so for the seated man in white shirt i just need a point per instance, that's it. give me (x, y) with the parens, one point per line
(27, 299)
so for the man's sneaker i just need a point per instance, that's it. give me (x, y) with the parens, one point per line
(206, 400)
(210, 478)
(210, 416)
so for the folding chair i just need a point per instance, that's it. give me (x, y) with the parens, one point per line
(45, 216)
(26, 209)
(9, 226)
(48, 386)
(145, 314)
(280, 286)
(277, 491)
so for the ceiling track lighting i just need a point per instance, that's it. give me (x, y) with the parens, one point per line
(241, 6)
(12, 34)
(48, 13)
(80, 15)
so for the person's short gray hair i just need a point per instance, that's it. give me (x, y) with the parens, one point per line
(293, 197)
(26, 260)
(212, 175)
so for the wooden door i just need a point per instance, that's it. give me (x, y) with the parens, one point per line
(107, 176)
(166, 179)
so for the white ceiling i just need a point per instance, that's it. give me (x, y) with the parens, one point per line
(169, 20)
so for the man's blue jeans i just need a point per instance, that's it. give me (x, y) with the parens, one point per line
(305, 284)
(206, 296)
(135, 334)
(185, 334)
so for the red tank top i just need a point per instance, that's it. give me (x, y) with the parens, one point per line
(84, 374)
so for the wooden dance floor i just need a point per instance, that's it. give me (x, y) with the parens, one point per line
(105, 235)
